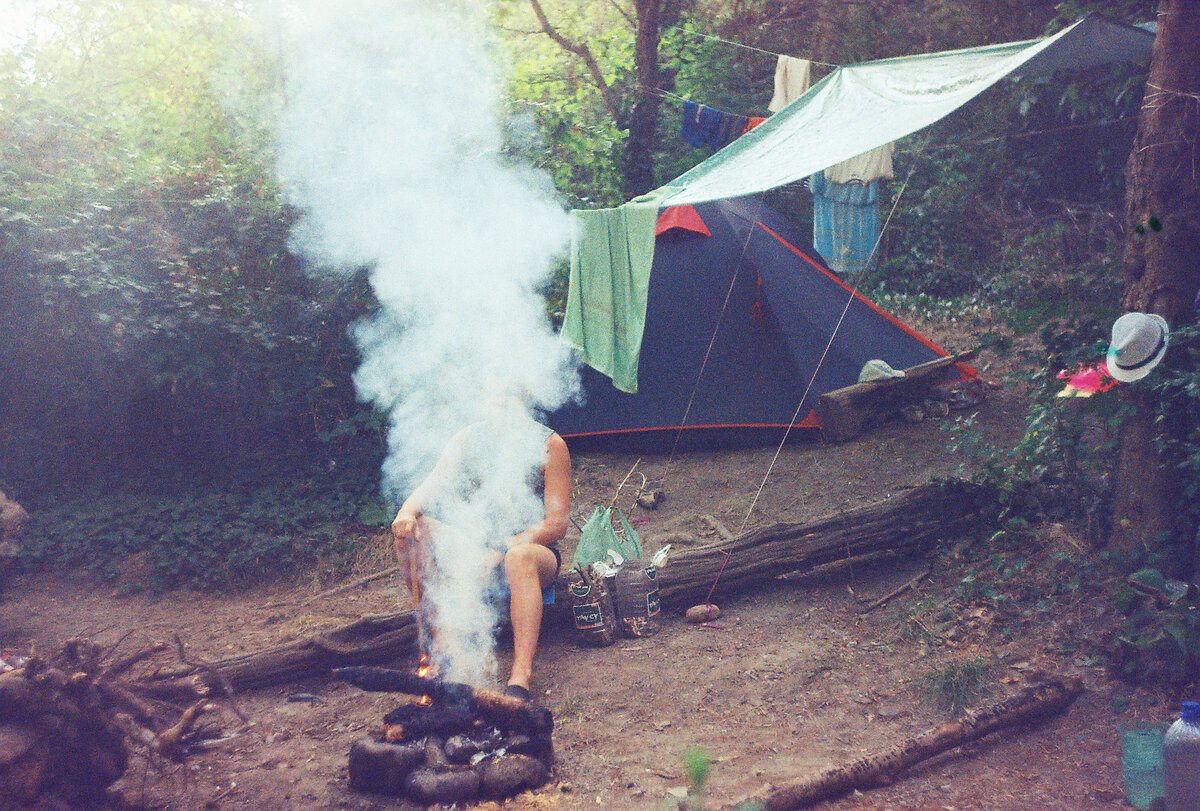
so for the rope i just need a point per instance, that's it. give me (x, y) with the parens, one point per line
(745, 47)
(828, 345)
(821, 360)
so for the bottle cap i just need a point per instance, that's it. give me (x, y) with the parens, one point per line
(1190, 711)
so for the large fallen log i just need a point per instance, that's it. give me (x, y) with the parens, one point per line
(907, 523)
(1031, 706)
(372, 640)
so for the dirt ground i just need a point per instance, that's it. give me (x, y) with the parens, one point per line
(791, 679)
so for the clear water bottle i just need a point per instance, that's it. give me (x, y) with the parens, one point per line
(1181, 760)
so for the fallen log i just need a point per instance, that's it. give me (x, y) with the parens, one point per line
(909, 522)
(1031, 706)
(372, 640)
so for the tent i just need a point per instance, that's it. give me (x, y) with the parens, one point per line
(850, 111)
(739, 313)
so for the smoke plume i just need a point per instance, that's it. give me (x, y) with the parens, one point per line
(391, 145)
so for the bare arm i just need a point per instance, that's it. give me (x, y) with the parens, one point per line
(556, 498)
(414, 506)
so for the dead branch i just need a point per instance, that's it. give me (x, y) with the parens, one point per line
(170, 741)
(894, 593)
(1031, 706)
(353, 584)
(611, 101)
(121, 666)
(217, 676)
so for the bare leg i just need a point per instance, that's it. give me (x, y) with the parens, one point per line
(529, 568)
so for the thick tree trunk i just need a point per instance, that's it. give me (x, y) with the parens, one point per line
(1162, 261)
(906, 523)
(643, 121)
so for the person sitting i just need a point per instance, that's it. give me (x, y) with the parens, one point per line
(525, 500)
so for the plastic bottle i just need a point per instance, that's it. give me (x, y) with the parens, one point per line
(1181, 760)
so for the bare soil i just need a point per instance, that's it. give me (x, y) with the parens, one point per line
(792, 678)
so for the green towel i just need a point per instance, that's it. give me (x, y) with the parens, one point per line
(610, 275)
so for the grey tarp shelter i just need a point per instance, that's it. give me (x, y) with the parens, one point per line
(852, 110)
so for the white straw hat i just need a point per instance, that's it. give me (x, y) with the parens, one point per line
(1139, 341)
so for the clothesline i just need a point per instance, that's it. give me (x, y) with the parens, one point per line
(746, 47)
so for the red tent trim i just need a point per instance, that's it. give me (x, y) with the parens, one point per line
(684, 217)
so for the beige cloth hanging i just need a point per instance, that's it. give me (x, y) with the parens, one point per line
(872, 165)
(792, 76)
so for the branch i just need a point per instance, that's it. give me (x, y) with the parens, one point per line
(611, 101)
(213, 672)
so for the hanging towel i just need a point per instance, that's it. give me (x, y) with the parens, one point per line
(791, 81)
(845, 223)
(864, 168)
(606, 308)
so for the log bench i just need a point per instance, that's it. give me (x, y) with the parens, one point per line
(848, 411)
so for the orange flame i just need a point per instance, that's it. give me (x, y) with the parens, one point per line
(424, 668)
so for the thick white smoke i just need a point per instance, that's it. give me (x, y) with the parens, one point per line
(391, 146)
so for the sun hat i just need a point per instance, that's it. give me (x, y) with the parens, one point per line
(1139, 341)
(877, 370)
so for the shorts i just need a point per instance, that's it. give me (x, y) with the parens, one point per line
(498, 591)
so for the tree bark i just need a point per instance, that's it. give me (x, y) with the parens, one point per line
(909, 522)
(643, 121)
(1162, 262)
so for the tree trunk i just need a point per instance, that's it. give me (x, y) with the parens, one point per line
(915, 520)
(643, 121)
(1162, 262)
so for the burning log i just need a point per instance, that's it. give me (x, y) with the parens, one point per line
(496, 747)
(504, 711)
(1031, 706)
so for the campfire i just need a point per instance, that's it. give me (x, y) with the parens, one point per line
(453, 743)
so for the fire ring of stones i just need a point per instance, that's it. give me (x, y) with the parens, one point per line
(463, 744)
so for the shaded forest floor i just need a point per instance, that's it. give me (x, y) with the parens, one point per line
(791, 679)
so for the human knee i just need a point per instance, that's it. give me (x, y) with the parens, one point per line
(521, 562)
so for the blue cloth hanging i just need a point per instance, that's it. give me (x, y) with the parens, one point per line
(845, 223)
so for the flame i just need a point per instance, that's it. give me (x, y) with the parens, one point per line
(424, 668)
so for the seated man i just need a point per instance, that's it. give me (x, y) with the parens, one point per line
(526, 502)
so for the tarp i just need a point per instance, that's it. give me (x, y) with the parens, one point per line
(860, 107)
(852, 110)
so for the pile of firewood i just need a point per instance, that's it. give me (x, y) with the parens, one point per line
(68, 725)
(454, 744)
